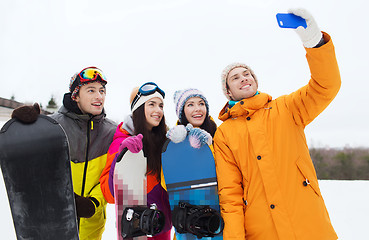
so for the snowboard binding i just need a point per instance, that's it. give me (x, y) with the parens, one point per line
(201, 220)
(141, 220)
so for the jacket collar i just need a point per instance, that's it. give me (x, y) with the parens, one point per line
(81, 117)
(245, 107)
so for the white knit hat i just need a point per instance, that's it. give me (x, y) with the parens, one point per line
(226, 71)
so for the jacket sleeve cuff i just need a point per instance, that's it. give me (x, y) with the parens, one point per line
(95, 201)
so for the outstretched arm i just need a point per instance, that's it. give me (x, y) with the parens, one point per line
(309, 101)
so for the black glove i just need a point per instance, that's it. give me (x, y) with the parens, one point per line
(85, 206)
(27, 113)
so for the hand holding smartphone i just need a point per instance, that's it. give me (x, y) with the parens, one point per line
(289, 20)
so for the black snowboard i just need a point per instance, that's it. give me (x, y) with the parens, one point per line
(35, 163)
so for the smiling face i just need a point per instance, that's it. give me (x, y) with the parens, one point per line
(153, 112)
(195, 111)
(241, 84)
(91, 98)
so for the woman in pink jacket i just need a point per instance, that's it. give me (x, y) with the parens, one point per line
(144, 129)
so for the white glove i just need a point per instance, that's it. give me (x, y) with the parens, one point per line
(177, 134)
(311, 35)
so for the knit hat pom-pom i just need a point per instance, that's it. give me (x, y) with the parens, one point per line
(177, 134)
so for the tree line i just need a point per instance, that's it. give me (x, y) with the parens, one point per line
(341, 164)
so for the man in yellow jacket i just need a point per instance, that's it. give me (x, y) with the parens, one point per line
(89, 133)
(267, 183)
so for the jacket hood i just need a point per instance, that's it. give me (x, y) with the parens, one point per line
(71, 105)
(128, 125)
(245, 107)
(124, 130)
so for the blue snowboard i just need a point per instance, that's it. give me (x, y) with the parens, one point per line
(35, 163)
(190, 177)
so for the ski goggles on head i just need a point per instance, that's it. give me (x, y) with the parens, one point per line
(86, 76)
(91, 74)
(145, 90)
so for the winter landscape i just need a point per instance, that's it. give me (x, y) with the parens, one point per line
(347, 203)
(186, 43)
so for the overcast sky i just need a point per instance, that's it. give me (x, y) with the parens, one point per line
(180, 44)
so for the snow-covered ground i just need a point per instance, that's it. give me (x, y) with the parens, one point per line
(347, 203)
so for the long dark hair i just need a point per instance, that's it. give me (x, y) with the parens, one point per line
(153, 140)
(208, 125)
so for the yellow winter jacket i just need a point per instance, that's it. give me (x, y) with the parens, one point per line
(89, 137)
(93, 227)
(267, 183)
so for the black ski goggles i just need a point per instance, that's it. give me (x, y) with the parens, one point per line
(145, 90)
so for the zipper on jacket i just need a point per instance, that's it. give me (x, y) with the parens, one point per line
(89, 123)
(89, 127)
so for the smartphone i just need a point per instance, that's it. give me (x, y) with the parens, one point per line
(289, 20)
